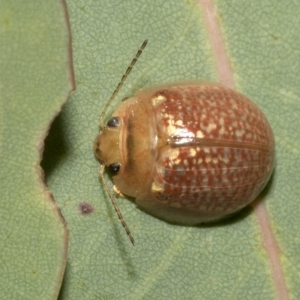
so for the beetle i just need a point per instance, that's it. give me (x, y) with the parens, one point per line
(188, 152)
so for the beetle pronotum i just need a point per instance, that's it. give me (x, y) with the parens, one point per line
(188, 152)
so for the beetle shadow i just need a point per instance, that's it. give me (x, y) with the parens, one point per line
(122, 240)
(265, 191)
(55, 146)
(229, 220)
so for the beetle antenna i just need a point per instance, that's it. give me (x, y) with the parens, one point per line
(121, 82)
(115, 205)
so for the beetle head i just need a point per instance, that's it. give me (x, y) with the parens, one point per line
(106, 145)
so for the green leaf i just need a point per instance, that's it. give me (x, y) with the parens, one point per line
(230, 260)
(35, 80)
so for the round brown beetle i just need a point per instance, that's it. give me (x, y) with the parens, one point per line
(189, 152)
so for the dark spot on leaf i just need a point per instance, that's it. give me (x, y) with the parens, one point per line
(85, 208)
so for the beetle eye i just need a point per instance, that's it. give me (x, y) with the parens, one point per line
(114, 169)
(113, 122)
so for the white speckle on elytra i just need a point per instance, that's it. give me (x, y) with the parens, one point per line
(224, 159)
(158, 100)
(182, 132)
(204, 171)
(177, 161)
(233, 104)
(235, 179)
(221, 121)
(239, 132)
(210, 127)
(208, 159)
(215, 160)
(192, 152)
(180, 168)
(199, 134)
(222, 131)
(184, 189)
(174, 154)
(155, 187)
